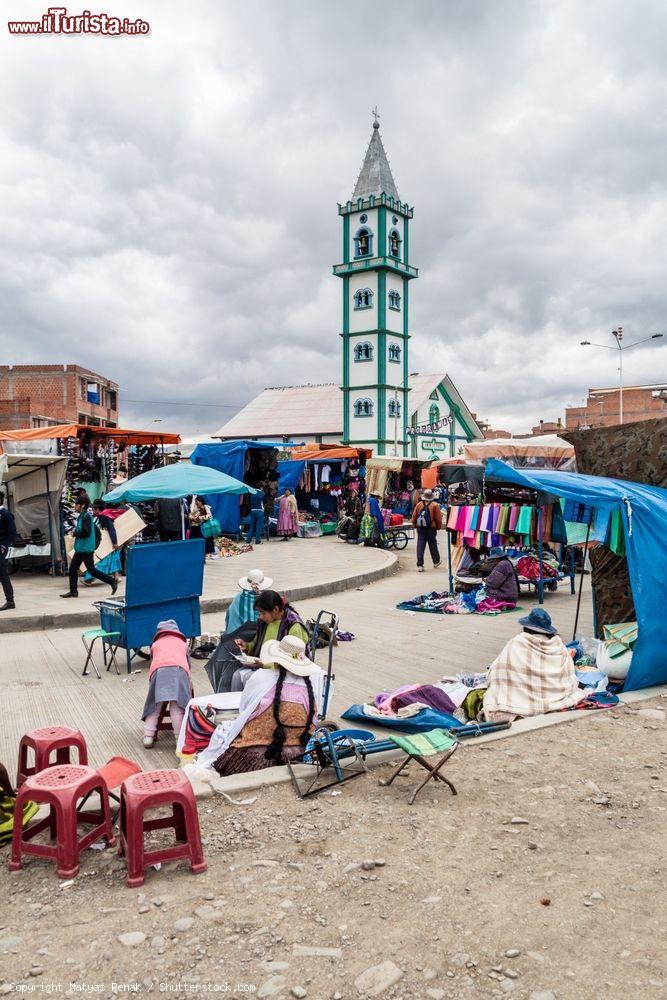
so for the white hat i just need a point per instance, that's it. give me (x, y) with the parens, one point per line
(290, 653)
(255, 580)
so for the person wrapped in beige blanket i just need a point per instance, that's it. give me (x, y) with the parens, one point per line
(533, 674)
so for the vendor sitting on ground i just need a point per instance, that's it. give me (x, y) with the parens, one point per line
(277, 712)
(243, 609)
(169, 680)
(277, 619)
(502, 583)
(533, 674)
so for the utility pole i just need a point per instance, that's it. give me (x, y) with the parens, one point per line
(618, 337)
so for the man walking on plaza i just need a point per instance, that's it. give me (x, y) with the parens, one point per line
(7, 536)
(427, 519)
(84, 548)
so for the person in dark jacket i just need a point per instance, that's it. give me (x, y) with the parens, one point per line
(84, 549)
(502, 582)
(257, 518)
(427, 519)
(7, 536)
(170, 514)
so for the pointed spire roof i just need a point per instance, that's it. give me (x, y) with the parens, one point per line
(375, 177)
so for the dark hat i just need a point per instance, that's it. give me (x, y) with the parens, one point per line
(539, 621)
(497, 552)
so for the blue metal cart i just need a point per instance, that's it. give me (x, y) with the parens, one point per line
(164, 580)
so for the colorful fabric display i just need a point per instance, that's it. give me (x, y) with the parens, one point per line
(524, 520)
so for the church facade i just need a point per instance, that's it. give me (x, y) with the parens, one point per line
(380, 404)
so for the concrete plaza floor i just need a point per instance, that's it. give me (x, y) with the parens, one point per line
(40, 671)
(301, 568)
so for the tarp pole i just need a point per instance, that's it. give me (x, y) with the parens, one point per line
(540, 585)
(182, 520)
(48, 518)
(581, 576)
(449, 553)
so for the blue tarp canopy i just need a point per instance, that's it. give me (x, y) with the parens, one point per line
(228, 457)
(643, 512)
(174, 482)
(289, 474)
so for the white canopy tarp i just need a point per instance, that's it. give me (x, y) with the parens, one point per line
(548, 451)
(34, 485)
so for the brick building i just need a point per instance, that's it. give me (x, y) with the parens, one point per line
(602, 409)
(41, 395)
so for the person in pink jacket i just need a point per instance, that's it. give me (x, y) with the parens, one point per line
(169, 681)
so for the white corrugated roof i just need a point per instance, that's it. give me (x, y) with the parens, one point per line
(289, 410)
(292, 410)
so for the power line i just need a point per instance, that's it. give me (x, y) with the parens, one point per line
(174, 402)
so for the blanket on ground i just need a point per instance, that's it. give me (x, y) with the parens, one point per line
(457, 604)
(532, 674)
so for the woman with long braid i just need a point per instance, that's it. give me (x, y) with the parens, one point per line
(277, 619)
(277, 712)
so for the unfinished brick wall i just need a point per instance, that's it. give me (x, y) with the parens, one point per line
(603, 408)
(51, 391)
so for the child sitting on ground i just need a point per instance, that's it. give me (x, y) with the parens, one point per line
(169, 680)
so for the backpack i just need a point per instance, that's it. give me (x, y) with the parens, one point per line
(98, 533)
(424, 516)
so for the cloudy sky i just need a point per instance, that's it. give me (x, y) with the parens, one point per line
(168, 202)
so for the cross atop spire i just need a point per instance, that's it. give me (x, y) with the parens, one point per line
(375, 177)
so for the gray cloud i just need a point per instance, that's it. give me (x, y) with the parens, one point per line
(169, 202)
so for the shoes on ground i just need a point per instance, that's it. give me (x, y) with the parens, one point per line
(436, 565)
(8, 606)
(69, 594)
(149, 741)
(420, 569)
(215, 557)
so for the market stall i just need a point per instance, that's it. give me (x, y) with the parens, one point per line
(399, 481)
(527, 524)
(33, 485)
(322, 479)
(254, 463)
(97, 458)
(633, 517)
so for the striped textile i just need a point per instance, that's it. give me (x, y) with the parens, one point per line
(532, 674)
(424, 744)
(620, 638)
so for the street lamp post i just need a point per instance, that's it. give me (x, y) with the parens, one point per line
(618, 337)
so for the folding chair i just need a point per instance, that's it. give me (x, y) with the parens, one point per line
(420, 746)
(109, 644)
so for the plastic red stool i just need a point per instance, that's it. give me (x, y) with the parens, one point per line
(61, 787)
(43, 742)
(149, 790)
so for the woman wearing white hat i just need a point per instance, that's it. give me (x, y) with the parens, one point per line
(242, 608)
(277, 712)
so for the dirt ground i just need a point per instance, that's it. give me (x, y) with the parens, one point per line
(463, 902)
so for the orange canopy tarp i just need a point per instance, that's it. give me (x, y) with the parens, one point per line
(310, 454)
(71, 430)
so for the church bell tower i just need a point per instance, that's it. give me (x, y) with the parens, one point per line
(376, 273)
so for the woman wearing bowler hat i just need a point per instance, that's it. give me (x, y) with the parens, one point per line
(533, 674)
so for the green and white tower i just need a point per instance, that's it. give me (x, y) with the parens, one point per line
(376, 272)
